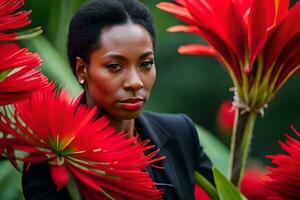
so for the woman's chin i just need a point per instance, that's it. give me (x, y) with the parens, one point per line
(127, 115)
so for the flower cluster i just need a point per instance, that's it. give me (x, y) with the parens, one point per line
(110, 165)
(46, 126)
(10, 20)
(18, 74)
(283, 180)
(257, 41)
(252, 185)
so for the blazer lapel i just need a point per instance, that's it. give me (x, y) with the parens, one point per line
(160, 137)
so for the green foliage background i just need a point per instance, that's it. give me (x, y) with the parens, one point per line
(185, 84)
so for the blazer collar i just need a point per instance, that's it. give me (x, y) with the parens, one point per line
(159, 136)
(152, 130)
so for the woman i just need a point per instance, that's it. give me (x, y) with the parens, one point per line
(111, 52)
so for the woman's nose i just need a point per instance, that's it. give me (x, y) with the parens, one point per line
(133, 81)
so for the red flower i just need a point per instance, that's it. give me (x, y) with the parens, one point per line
(258, 42)
(18, 76)
(252, 185)
(104, 163)
(226, 116)
(9, 20)
(284, 179)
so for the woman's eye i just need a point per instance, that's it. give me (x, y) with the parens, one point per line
(147, 64)
(114, 67)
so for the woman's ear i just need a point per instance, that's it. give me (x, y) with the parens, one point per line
(81, 70)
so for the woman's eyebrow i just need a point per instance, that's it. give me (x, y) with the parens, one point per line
(147, 53)
(115, 56)
(121, 57)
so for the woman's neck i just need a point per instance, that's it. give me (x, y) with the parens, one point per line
(119, 124)
(124, 125)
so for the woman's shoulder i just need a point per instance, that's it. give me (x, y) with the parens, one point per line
(176, 124)
(168, 118)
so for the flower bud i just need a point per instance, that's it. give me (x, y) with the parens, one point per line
(225, 117)
(60, 175)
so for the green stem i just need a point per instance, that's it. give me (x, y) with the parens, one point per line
(207, 186)
(240, 142)
(73, 189)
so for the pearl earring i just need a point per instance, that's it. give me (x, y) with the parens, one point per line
(81, 81)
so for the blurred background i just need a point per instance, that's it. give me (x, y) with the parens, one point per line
(192, 85)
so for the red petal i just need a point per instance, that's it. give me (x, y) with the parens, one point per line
(34, 158)
(282, 34)
(284, 180)
(181, 2)
(289, 69)
(10, 153)
(9, 6)
(183, 28)
(225, 39)
(286, 61)
(257, 28)
(8, 37)
(3, 144)
(22, 78)
(252, 185)
(243, 6)
(225, 21)
(139, 187)
(280, 11)
(181, 12)
(10, 20)
(200, 194)
(17, 20)
(197, 49)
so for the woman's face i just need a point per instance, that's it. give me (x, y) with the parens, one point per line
(121, 73)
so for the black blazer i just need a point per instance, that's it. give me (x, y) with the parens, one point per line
(174, 135)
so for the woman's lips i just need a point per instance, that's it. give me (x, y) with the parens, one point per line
(132, 103)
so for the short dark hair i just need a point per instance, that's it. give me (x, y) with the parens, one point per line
(89, 21)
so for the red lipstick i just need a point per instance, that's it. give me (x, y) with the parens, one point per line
(135, 103)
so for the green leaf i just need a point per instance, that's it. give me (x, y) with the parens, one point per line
(207, 186)
(73, 189)
(54, 17)
(55, 67)
(30, 33)
(10, 181)
(59, 19)
(214, 149)
(226, 190)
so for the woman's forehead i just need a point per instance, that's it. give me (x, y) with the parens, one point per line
(126, 34)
